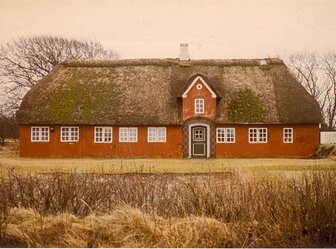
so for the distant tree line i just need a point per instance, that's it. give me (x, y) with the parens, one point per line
(317, 73)
(26, 60)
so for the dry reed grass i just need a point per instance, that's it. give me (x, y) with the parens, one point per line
(125, 227)
(169, 210)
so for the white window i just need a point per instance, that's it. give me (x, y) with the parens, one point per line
(257, 135)
(288, 135)
(40, 134)
(103, 135)
(199, 106)
(69, 134)
(226, 135)
(156, 134)
(128, 134)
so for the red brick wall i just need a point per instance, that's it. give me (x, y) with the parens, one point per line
(188, 103)
(305, 142)
(86, 146)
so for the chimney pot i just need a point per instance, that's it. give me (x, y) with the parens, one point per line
(184, 53)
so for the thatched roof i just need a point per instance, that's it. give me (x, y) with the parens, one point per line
(146, 92)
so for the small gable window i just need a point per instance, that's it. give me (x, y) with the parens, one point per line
(225, 135)
(156, 134)
(257, 135)
(128, 134)
(288, 135)
(69, 134)
(40, 134)
(103, 135)
(199, 106)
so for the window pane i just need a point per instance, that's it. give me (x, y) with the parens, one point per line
(40, 134)
(199, 105)
(221, 135)
(69, 134)
(161, 134)
(151, 134)
(123, 134)
(133, 134)
(288, 135)
(230, 135)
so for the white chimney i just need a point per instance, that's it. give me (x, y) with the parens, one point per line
(184, 54)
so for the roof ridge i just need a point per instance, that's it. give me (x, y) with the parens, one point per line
(172, 61)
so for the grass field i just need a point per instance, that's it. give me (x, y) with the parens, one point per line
(263, 202)
(10, 160)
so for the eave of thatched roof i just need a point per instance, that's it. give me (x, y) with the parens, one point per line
(146, 91)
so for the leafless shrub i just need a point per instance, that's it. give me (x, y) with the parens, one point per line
(171, 210)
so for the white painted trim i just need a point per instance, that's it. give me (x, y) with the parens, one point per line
(103, 137)
(213, 95)
(40, 133)
(225, 135)
(258, 135)
(128, 134)
(203, 106)
(208, 137)
(156, 141)
(69, 141)
(292, 135)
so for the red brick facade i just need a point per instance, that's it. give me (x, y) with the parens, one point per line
(188, 102)
(305, 142)
(87, 147)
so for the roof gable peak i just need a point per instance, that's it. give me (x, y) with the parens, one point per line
(185, 93)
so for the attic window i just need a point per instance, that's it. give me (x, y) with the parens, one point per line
(199, 86)
(199, 106)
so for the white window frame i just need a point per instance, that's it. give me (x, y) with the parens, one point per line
(39, 136)
(104, 132)
(156, 134)
(288, 133)
(225, 132)
(126, 133)
(258, 138)
(199, 107)
(69, 131)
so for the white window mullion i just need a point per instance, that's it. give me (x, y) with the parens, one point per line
(69, 133)
(128, 134)
(225, 135)
(39, 134)
(156, 134)
(103, 135)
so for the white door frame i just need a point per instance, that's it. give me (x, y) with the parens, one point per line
(207, 137)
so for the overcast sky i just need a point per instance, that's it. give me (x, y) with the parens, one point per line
(154, 29)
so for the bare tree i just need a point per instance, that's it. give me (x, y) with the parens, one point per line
(329, 68)
(306, 68)
(8, 128)
(26, 60)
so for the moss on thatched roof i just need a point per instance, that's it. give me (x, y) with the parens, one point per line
(146, 91)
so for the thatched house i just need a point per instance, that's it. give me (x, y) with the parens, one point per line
(169, 108)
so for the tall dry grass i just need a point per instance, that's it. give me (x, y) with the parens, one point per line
(139, 210)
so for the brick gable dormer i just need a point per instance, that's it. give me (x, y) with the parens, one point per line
(199, 100)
